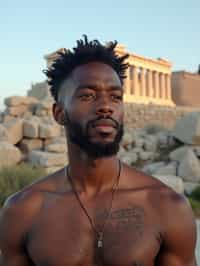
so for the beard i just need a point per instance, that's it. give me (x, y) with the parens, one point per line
(77, 135)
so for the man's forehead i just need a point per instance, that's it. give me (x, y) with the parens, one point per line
(95, 72)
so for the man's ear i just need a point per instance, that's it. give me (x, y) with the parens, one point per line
(58, 113)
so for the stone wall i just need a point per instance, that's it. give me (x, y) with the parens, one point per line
(185, 88)
(141, 115)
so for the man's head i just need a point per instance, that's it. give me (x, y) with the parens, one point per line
(87, 87)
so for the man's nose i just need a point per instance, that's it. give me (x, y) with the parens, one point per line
(104, 107)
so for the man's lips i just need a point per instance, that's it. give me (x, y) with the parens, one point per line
(104, 123)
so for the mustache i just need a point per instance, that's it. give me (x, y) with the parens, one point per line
(92, 122)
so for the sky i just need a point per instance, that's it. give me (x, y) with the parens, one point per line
(31, 29)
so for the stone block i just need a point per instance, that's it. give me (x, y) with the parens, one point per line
(4, 136)
(56, 147)
(43, 108)
(20, 100)
(146, 155)
(152, 167)
(50, 170)
(179, 153)
(9, 154)
(15, 130)
(27, 145)
(7, 118)
(189, 167)
(49, 130)
(174, 182)
(187, 128)
(31, 127)
(47, 159)
(130, 158)
(139, 142)
(151, 143)
(127, 140)
(53, 140)
(169, 169)
(17, 110)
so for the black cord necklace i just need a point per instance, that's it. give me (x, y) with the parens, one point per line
(99, 233)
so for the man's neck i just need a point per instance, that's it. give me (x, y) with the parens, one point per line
(91, 175)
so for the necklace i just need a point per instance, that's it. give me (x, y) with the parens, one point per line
(99, 233)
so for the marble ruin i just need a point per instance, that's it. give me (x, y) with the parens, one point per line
(148, 80)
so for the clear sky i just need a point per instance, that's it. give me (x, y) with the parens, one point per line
(31, 29)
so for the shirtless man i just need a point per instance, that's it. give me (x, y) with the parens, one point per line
(97, 210)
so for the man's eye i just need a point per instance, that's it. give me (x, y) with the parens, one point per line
(116, 97)
(87, 96)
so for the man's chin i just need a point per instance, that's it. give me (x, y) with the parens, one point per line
(102, 149)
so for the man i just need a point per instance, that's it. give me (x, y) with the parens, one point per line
(97, 210)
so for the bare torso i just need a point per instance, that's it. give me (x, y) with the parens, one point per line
(62, 234)
(57, 232)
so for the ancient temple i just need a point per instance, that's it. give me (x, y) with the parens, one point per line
(148, 80)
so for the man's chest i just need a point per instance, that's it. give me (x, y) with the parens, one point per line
(69, 238)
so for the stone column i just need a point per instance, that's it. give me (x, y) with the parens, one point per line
(149, 83)
(163, 86)
(168, 86)
(135, 81)
(156, 84)
(143, 83)
(127, 86)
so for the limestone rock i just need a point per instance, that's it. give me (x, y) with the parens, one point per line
(9, 154)
(43, 108)
(127, 140)
(56, 147)
(179, 153)
(152, 167)
(169, 169)
(31, 127)
(139, 142)
(189, 168)
(3, 133)
(59, 139)
(18, 110)
(50, 170)
(14, 128)
(47, 159)
(187, 128)
(151, 143)
(162, 139)
(20, 100)
(173, 182)
(27, 145)
(121, 152)
(146, 155)
(7, 117)
(49, 130)
(197, 151)
(130, 158)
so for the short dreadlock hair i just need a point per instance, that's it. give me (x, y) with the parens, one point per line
(85, 52)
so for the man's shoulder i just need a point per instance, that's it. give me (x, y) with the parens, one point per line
(158, 192)
(28, 201)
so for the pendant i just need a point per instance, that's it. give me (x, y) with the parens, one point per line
(100, 243)
(100, 240)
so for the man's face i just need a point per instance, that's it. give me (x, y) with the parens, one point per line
(94, 109)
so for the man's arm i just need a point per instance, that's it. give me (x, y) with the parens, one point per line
(16, 218)
(179, 233)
